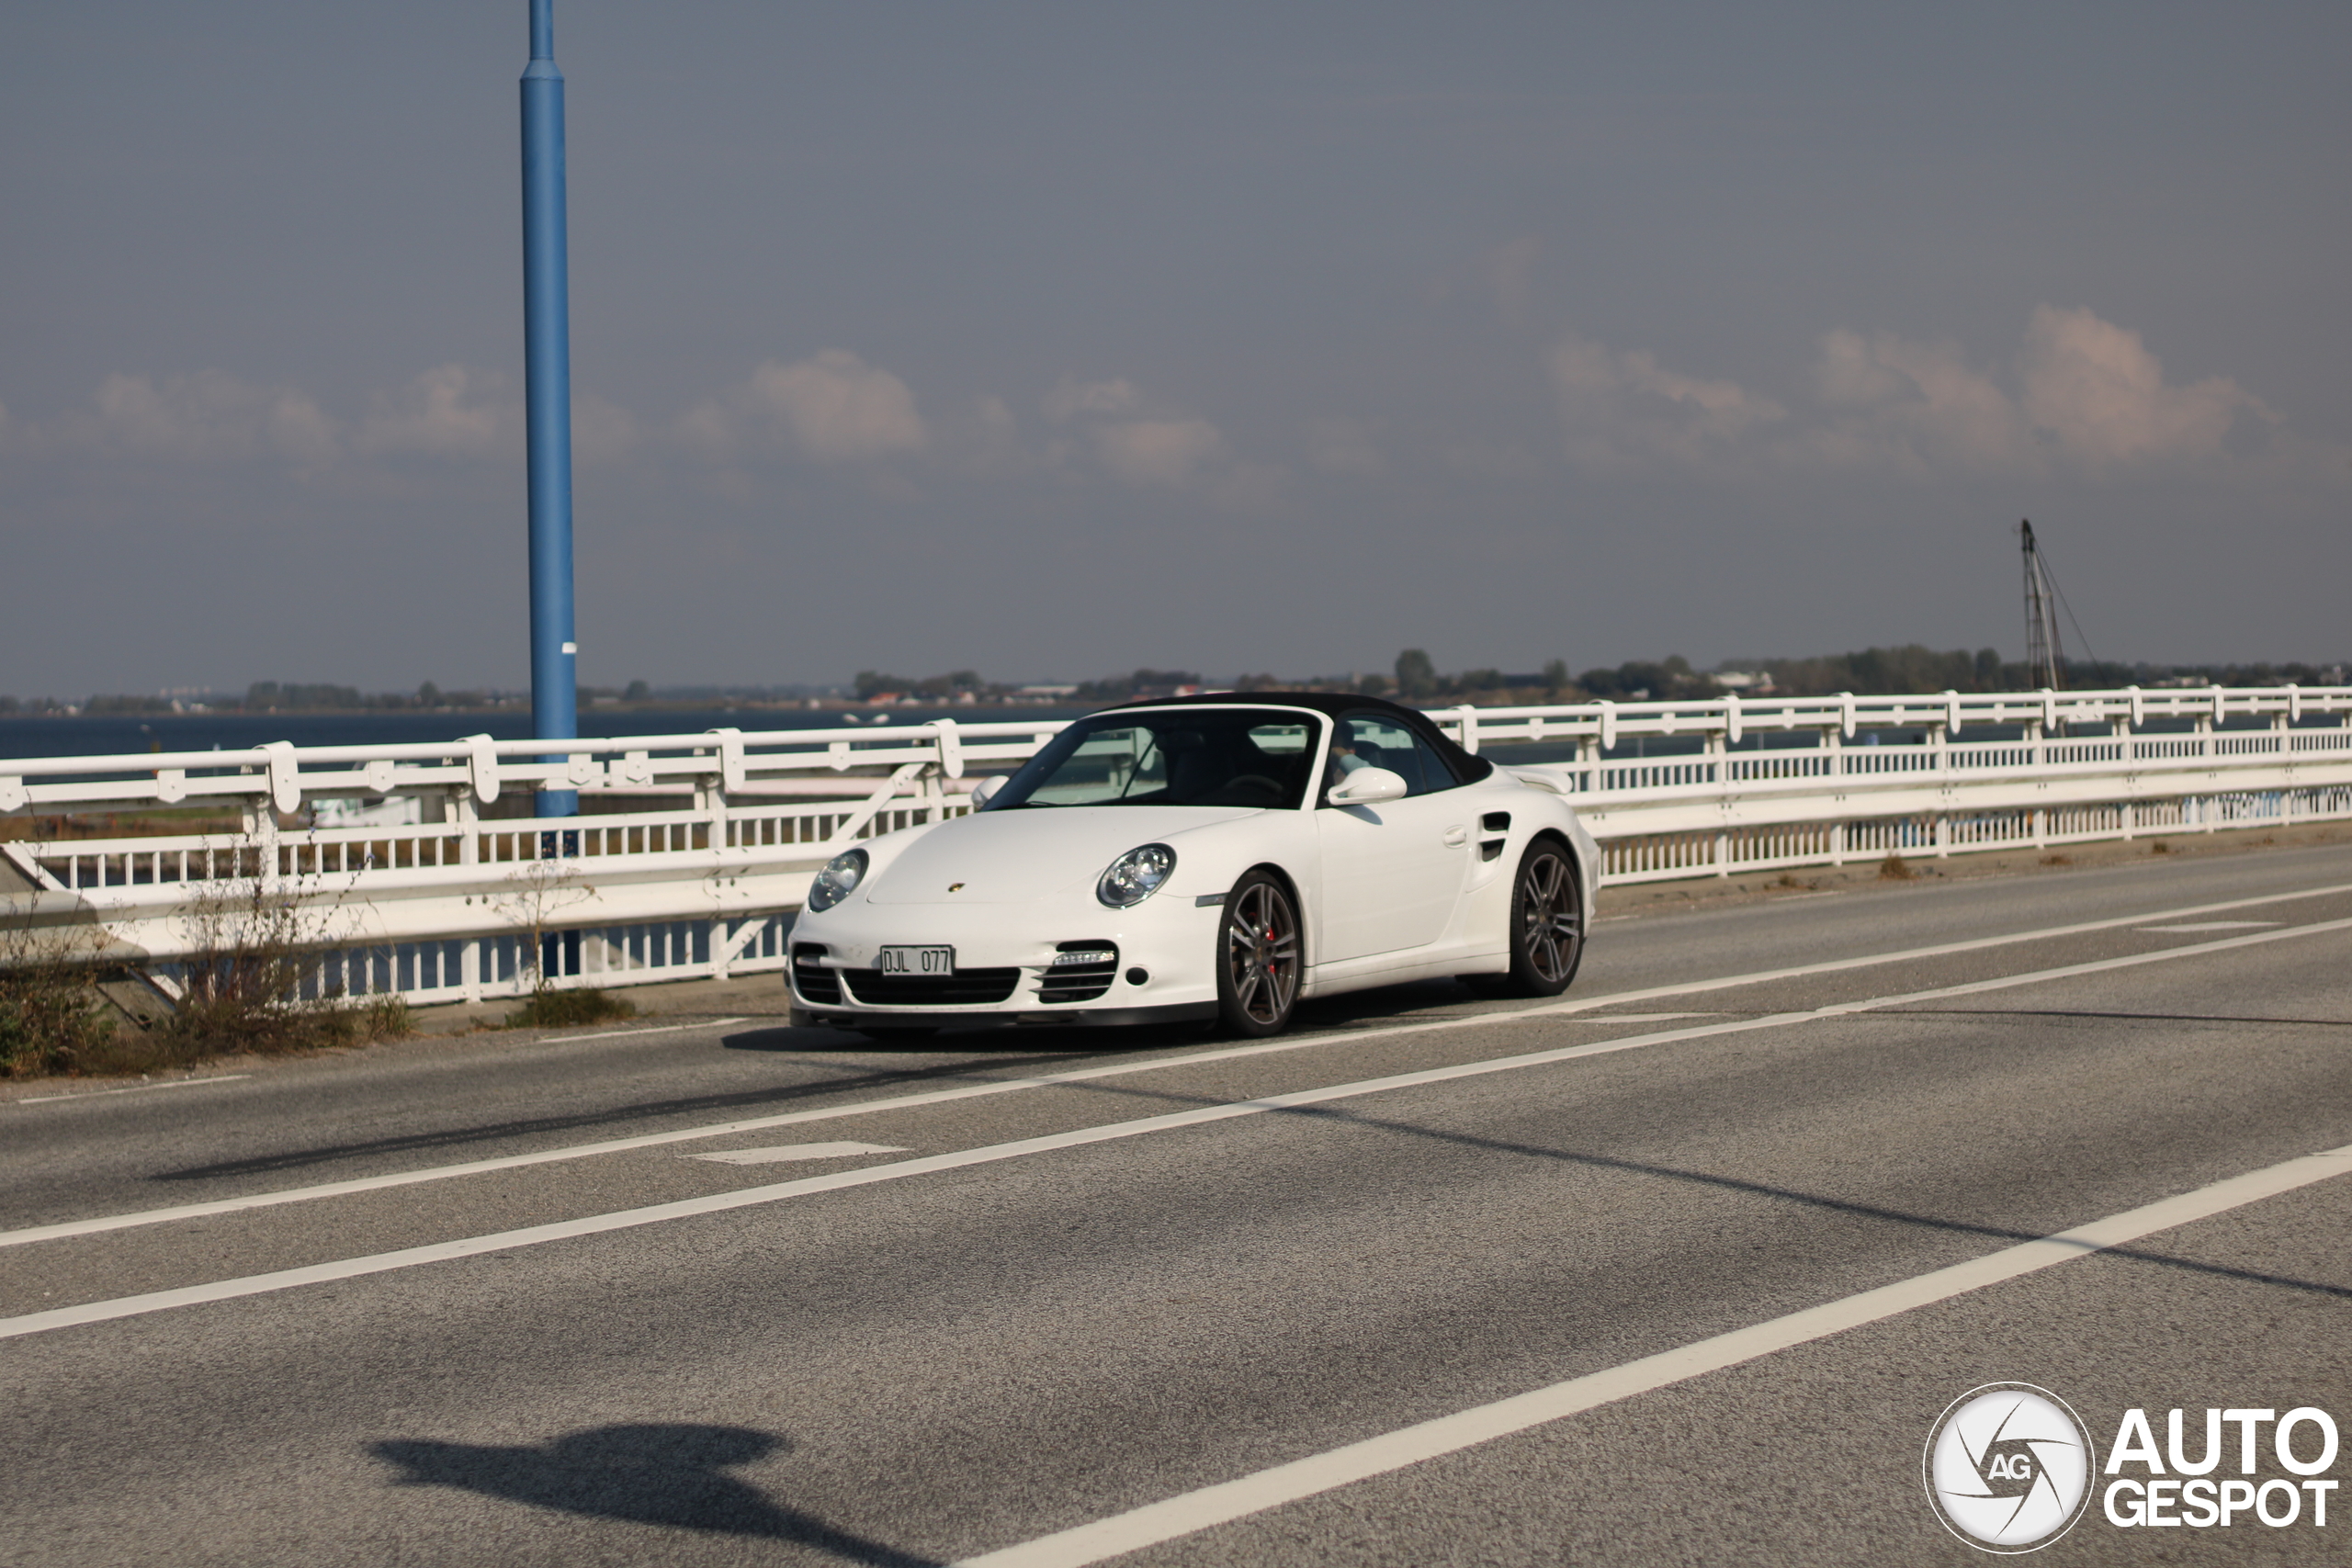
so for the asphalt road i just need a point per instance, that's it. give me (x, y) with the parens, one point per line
(1080, 1279)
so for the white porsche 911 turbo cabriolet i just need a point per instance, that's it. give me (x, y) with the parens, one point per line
(1203, 858)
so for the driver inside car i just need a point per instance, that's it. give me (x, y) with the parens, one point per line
(1349, 753)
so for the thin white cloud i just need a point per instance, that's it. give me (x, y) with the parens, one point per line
(1625, 406)
(449, 411)
(842, 409)
(1072, 398)
(207, 417)
(2086, 397)
(2095, 387)
(833, 407)
(1919, 408)
(1170, 452)
(1141, 442)
(982, 439)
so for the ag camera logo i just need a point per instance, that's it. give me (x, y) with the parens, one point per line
(2009, 1467)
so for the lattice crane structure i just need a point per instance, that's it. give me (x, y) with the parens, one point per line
(2045, 656)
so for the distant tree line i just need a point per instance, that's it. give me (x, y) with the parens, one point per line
(1876, 672)
(1871, 672)
(1414, 678)
(873, 683)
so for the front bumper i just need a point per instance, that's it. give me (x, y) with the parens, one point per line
(1004, 964)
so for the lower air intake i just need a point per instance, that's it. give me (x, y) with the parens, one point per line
(968, 987)
(1081, 971)
(815, 983)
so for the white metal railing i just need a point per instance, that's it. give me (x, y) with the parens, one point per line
(436, 895)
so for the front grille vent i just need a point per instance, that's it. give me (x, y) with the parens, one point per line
(966, 988)
(815, 983)
(1092, 966)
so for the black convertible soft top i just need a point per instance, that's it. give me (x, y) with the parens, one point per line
(1469, 767)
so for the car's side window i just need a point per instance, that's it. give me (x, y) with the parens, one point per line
(1435, 774)
(1377, 740)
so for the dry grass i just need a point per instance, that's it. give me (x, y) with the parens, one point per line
(249, 988)
(562, 1009)
(2160, 848)
(1895, 868)
(52, 1020)
(2057, 860)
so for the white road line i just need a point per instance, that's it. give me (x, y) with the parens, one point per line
(134, 1089)
(1194, 1511)
(781, 1153)
(2210, 925)
(660, 1029)
(720, 1203)
(1942, 950)
(64, 1228)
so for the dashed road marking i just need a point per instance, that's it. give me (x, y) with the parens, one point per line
(782, 1153)
(134, 1089)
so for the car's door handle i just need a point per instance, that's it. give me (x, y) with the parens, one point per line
(1457, 836)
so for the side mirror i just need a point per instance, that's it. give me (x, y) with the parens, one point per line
(984, 790)
(1367, 786)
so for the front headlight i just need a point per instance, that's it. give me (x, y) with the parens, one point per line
(1136, 875)
(837, 880)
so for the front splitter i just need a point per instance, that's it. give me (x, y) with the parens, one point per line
(1033, 1018)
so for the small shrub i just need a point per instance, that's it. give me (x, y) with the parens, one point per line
(1787, 879)
(51, 1021)
(245, 985)
(221, 1020)
(1895, 868)
(562, 1009)
(2160, 848)
(386, 1018)
(2057, 860)
(244, 994)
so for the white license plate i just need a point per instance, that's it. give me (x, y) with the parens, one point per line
(918, 960)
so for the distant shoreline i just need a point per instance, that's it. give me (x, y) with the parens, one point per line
(236, 730)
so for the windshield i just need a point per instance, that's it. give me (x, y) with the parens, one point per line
(1256, 757)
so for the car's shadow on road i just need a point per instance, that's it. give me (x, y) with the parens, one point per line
(672, 1476)
(978, 1055)
(620, 1117)
(1416, 1002)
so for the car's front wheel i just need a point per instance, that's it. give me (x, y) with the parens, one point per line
(1258, 957)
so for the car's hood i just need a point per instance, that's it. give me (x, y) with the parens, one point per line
(1013, 857)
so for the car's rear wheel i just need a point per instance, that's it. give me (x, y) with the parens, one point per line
(1258, 957)
(1547, 922)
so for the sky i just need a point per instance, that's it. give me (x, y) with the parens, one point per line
(1054, 340)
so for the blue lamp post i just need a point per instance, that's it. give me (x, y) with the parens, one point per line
(547, 351)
